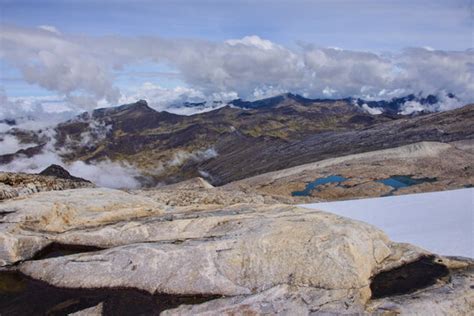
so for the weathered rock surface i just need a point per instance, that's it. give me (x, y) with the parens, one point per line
(453, 298)
(27, 225)
(249, 256)
(197, 194)
(279, 300)
(228, 254)
(20, 184)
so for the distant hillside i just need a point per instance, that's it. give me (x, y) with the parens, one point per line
(394, 106)
(241, 139)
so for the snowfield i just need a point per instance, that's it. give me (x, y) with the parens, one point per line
(441, 222)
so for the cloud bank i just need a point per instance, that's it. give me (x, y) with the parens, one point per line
(103, 173)
(84, 69)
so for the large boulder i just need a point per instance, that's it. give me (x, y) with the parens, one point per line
(244, 258)
(29, 224)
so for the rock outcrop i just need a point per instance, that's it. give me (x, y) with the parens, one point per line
(196, 194)
(234, 255)
(59, 172)
(450, 298)
(20, 184)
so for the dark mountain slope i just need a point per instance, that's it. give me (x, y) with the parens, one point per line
(389, 107)
(264, 155)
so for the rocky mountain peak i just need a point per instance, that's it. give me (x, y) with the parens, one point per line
(59, 172)
(139, 107)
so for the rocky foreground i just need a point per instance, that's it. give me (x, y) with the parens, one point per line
(192, 249)
(21, 184)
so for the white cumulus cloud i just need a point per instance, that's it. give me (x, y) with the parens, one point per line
(49, 28)
(82, 68)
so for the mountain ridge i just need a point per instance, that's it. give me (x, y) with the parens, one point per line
(392, 106)
(231, 143)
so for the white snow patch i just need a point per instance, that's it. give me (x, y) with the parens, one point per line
(441, 222)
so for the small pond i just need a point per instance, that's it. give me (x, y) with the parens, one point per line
(398, 182)
(320, 181)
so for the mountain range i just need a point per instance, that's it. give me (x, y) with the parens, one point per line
(394, 106)
(243, 138)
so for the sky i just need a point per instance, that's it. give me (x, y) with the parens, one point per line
(78, 55)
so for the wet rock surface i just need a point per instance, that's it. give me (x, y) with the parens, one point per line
(193, 249)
